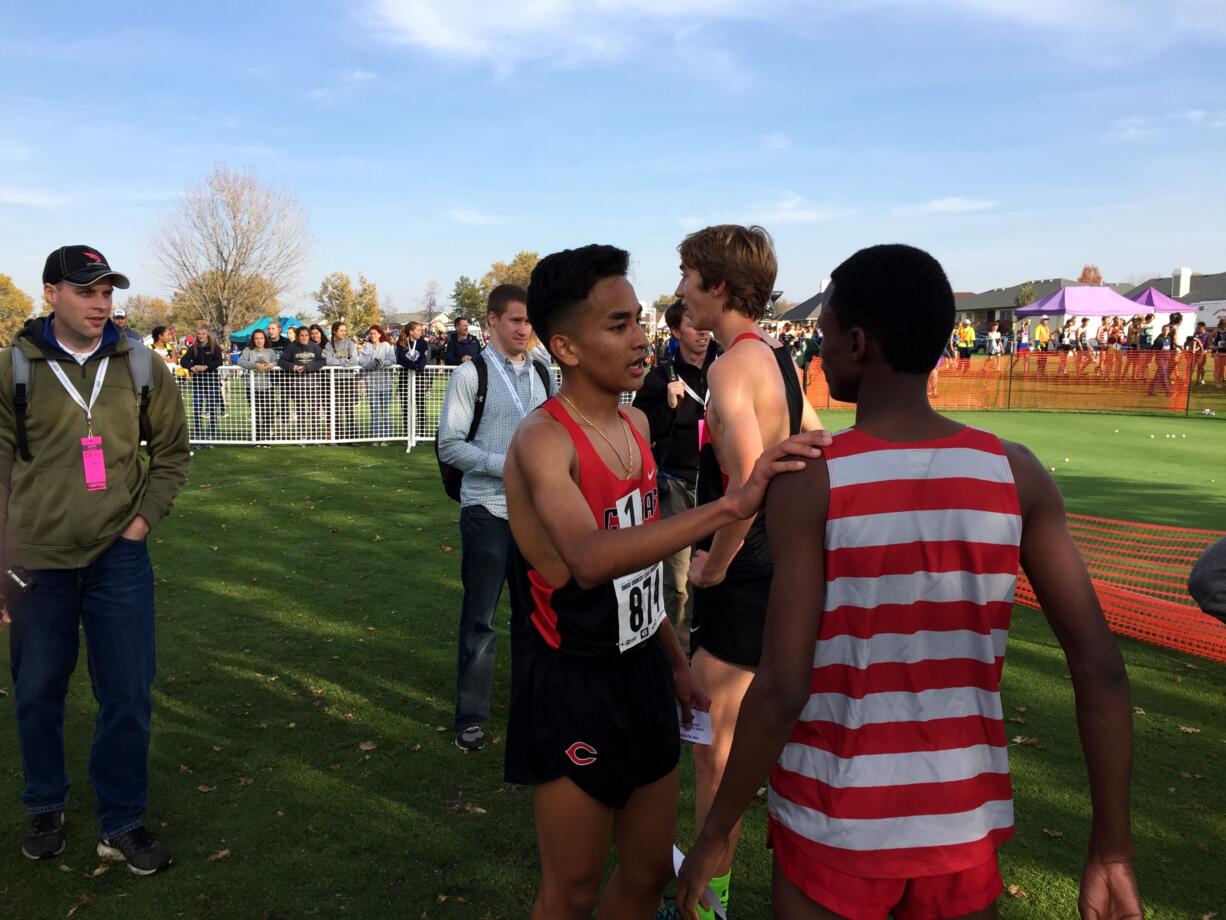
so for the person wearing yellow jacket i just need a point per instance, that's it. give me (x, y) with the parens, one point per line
(77, 501)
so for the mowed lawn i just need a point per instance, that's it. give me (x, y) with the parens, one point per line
(302, 757)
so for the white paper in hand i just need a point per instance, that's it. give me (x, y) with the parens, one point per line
(712, 897)
(699, 731)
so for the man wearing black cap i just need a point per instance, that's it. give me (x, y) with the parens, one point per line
(76, 504)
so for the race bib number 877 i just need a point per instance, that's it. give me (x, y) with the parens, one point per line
(640, 595)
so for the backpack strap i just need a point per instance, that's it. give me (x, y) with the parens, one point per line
(542, 371)
(140, 366)
(21, 388)
(483, 385)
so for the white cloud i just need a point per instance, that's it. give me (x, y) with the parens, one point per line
(348, 82)
(1133, 129)
(562, 31)
(950, 204)
(472, 217)
(791, 209)
(32, 197)
(1191, 116)
(569, 32)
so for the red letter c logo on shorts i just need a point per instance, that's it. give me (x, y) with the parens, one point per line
(581, 754)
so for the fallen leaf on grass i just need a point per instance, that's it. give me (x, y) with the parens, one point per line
(64, 868)
(1052, 832)
(219, 856)
(1016, 720)
(1029, 742)
(440, 728)
(1015, 891)
(86, 900)
(415, 749)
(367, 746)
(454, 898)
(216, 749)
(101, 870)
(245, 781)
(184, 769)
(377, 539)
(1178, 679)
(1183, 775)
(1021, 709)
(497, 741)
(205, 789)
(448, 549)
(1138, 711)
(1188, 730)
(1200, 846)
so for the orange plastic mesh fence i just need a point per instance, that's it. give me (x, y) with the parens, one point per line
(1109, 381)
(1140, 573)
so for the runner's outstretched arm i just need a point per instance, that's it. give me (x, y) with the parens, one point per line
(1054, 565)
(795, 522)
(543, 454)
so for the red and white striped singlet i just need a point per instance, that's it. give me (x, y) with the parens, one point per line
(897, 767)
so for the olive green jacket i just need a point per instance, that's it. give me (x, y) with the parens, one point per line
(48, 519)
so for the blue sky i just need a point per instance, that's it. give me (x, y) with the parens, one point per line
(1013, 138)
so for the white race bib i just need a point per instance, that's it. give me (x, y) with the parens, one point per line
(640, 595)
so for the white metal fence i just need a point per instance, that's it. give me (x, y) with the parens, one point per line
(335, 405)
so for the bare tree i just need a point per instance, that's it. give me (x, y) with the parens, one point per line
(231, 246)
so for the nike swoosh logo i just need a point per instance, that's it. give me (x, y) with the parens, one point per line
(651, 475)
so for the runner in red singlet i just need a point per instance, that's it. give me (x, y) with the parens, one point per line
(597, 672)
(876, 709)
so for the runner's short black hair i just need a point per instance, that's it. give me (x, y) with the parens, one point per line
(562, 281)
(901, 297)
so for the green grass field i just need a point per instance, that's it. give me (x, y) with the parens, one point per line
(302, 763)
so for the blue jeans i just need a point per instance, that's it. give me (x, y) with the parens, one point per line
(113, 598)
(485, 564)
(206, 400)
(381, 413)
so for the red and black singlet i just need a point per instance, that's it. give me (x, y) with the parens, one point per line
(617, 615)
(713, 482)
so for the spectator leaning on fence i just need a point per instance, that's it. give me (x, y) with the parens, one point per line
(301, 360)
(412, 354)
(260, 362)
(376, 357)
(342, 351)
(202, 360)
(461, 346)
(79, 523)
(514, 387)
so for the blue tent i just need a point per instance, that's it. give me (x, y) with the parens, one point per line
(243, 336)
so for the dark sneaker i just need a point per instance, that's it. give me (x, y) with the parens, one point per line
(143, 854)
(45, 836)
(471, 738)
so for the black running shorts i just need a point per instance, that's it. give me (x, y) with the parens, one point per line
(729, 618)
(609, 724)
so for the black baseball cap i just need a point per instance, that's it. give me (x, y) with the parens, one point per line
(82, 266)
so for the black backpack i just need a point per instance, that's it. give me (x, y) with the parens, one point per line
(453, 476)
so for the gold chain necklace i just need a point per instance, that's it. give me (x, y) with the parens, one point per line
(628, 465)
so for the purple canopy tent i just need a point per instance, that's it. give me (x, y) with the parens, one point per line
(1080, 300)
(1158, 302)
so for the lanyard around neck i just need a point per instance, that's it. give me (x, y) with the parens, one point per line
(510, 388)
(76, 397)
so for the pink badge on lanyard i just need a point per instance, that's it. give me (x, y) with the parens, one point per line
(94, 463)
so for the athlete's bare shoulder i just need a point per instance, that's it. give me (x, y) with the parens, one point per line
(1034, 483)
(540, 442)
